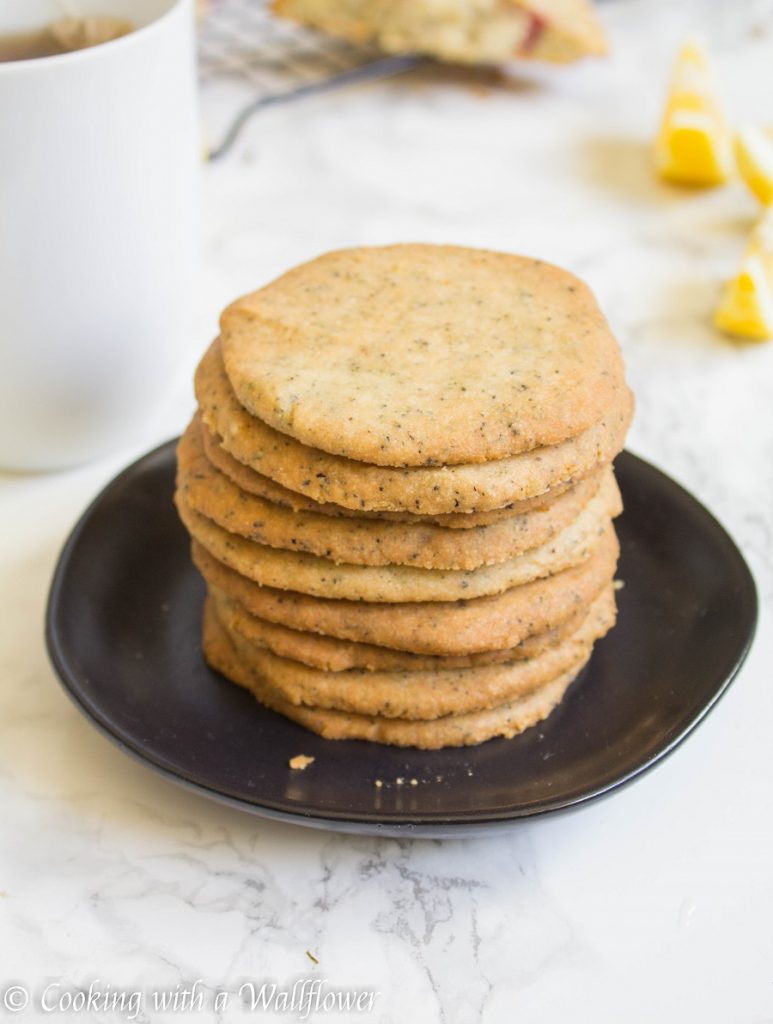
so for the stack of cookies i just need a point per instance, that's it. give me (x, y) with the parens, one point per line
(399, 488)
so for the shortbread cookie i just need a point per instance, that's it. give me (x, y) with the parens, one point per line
(310, 574)
(428, 490)
(367, 542)
(423, 355)
(264, 487)
(462, 31)
(334, 655)
(507, 720)
(409, 695)
(420, 694)
(443, 628)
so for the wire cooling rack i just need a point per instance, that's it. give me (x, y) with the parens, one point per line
(249, 60)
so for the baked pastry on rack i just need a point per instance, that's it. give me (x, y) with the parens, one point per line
(460, 31)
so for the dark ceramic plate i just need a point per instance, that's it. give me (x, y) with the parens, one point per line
(123, 633)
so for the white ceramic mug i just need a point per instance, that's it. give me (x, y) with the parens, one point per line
(99, 159)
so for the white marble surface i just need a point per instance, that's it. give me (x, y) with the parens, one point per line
(653, 905)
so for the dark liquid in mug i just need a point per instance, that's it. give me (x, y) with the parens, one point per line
(62, 36)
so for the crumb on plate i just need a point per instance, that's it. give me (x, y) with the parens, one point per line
(300, 762)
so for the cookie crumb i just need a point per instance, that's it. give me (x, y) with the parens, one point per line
(300, 762)
(618, 584)
(378, 783)
(414, 782)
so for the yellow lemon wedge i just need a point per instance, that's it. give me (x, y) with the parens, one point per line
(694, 144)
(754, 156)
(746, 307)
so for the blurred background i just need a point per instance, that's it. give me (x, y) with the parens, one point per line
(102, 874)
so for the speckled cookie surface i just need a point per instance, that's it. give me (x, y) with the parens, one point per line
(264, 487)
(442, 628)
(421, 694)
(366, 541)
(310, 574)
(334, 655)
(429, 490)
(422, 355)
(452, 730)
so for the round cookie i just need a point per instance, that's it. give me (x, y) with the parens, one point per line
(310, 574)
(419, 694)
(367, 542)
(439, 628)
(429, 490)
(264, 487)
(334, 655)
(423, 355)
(507, 720)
